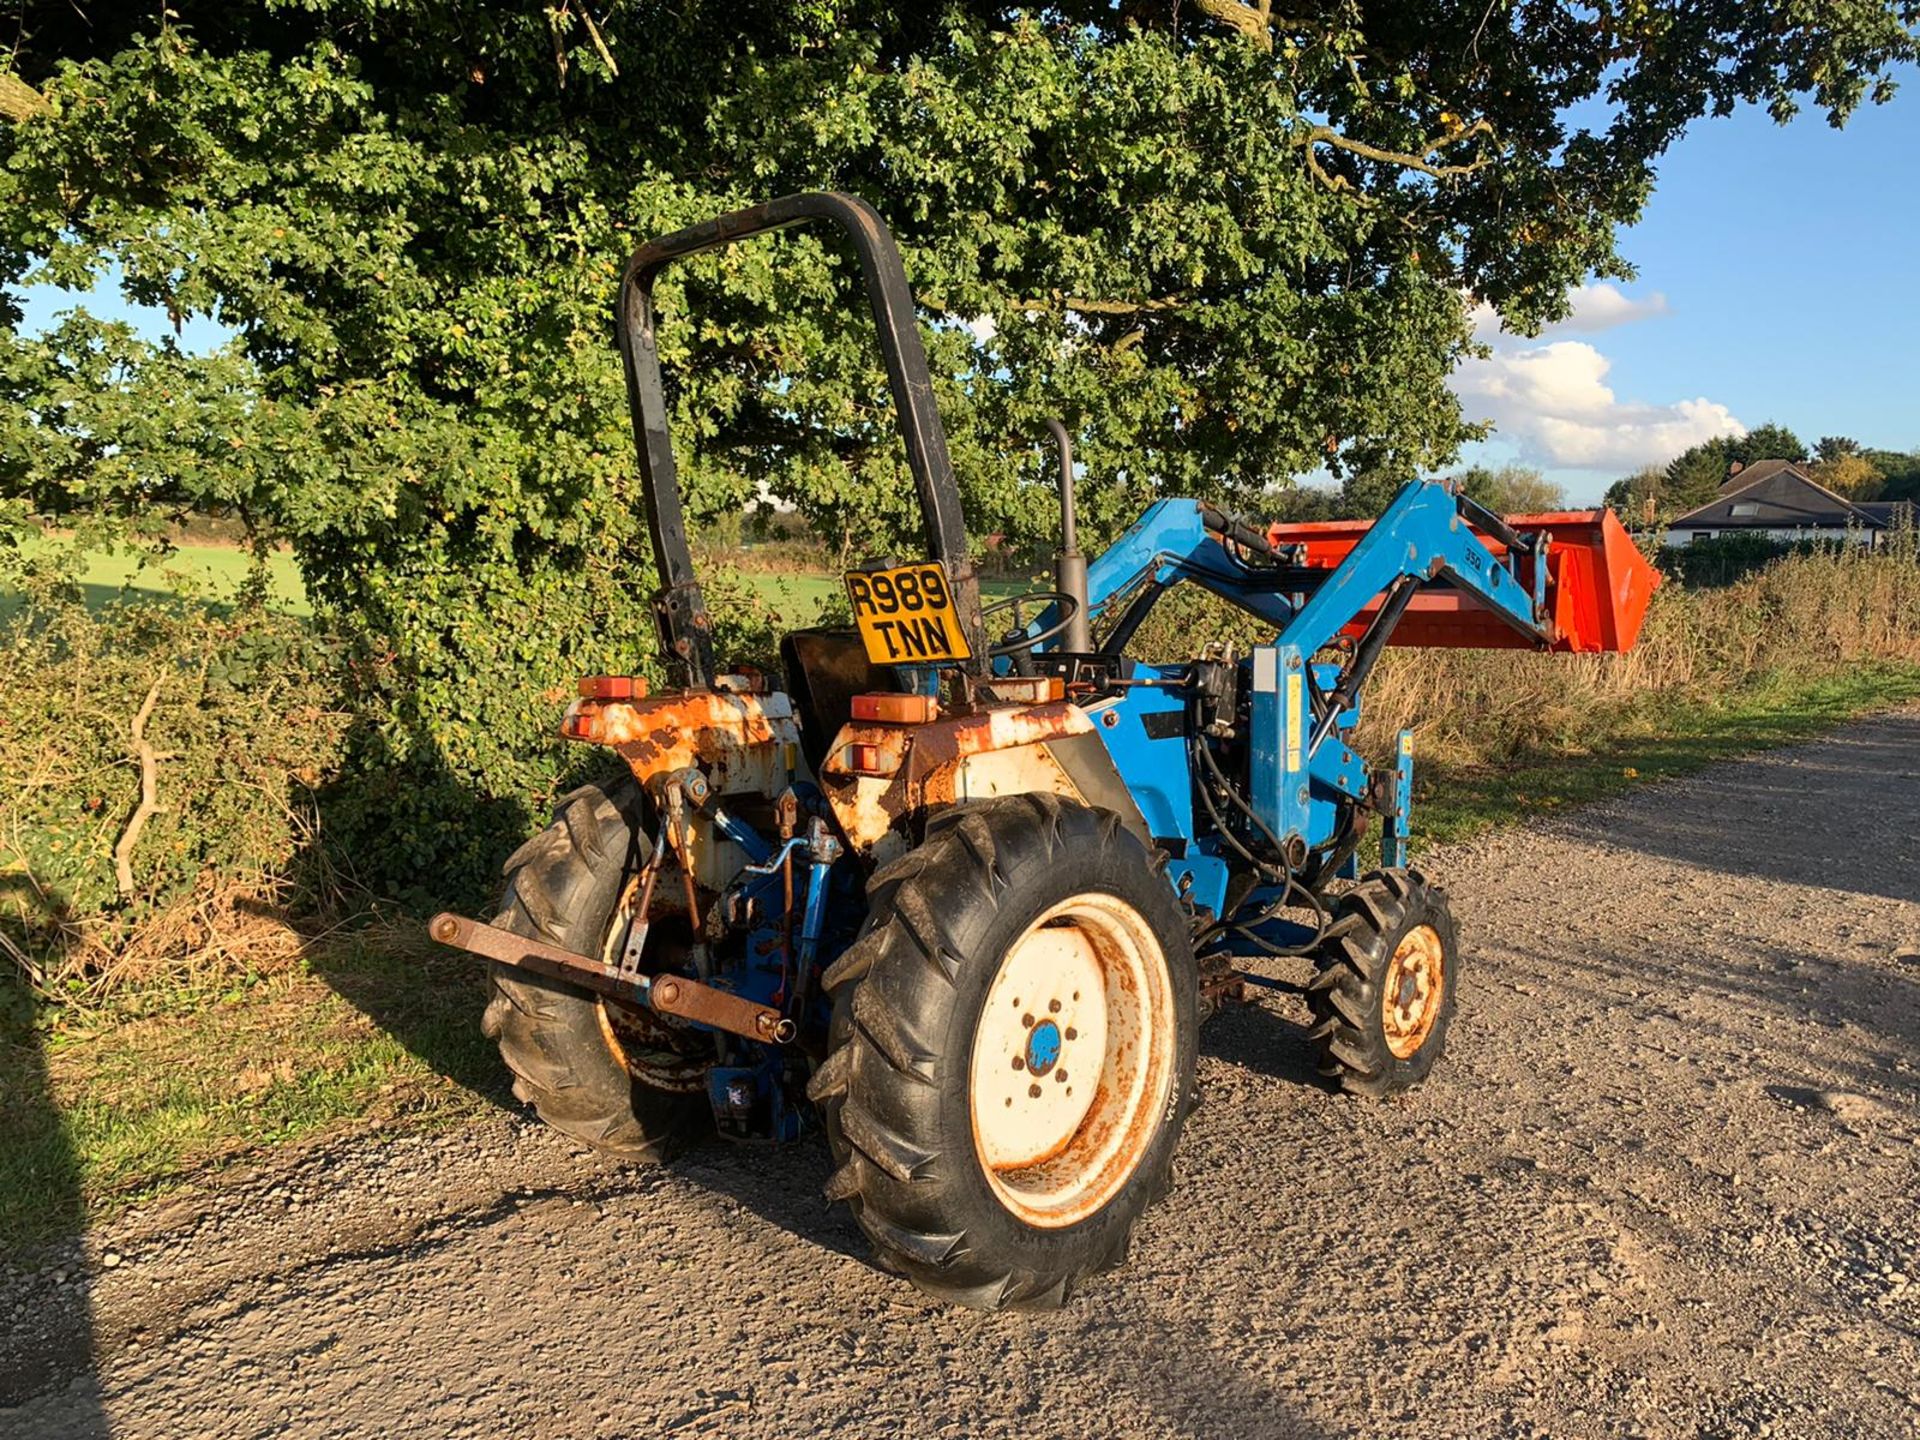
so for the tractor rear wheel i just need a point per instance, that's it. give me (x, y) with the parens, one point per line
(1384, 996)
(594, 1070)
(1012, 1051)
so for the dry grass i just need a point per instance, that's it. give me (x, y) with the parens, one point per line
(1805, 617)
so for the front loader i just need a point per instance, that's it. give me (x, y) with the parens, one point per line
(960, 885)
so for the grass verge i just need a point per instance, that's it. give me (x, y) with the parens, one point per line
(106, 1107)
(1672, 738)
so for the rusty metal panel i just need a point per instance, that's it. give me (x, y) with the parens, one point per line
(1002, 750)
(740, 740)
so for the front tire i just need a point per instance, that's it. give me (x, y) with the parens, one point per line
(1013, 1050)
(1383, 999)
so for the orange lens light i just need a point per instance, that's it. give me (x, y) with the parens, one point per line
(613, 687)
(581, 725)
(896, 709)
(868, 760)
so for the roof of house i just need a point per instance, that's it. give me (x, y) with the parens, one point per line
(1775, 495)
(1889, 512)
(1759, 470)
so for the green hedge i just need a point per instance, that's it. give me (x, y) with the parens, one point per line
(1727, 558)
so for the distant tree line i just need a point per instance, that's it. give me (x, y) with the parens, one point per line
(1505, 489)
(1694, 477)
(1650, 496)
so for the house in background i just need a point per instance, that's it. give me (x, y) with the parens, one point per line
(1779, 500)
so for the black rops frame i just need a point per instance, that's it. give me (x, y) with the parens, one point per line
(679, 609)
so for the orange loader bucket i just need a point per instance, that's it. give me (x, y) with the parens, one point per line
(1598, 585)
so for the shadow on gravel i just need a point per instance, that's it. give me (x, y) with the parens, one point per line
(1253, 1037)
(46, 1314)
(781, 1184)
(1801, 816)
(1192, 1391)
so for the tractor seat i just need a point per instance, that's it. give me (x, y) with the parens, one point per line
(825, 669)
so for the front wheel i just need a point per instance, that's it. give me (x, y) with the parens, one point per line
(1384, 996)
(1013, 1050)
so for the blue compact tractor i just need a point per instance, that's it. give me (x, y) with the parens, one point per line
(960, 885)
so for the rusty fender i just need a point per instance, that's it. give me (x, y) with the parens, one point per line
(735, 736)
(1002, 750)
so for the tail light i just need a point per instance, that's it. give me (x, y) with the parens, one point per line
(613, 687)
(895, 709)
(871, 759)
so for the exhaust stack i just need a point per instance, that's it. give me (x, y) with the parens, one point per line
(1070, 566)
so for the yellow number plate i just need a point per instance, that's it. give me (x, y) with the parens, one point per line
(906, 615)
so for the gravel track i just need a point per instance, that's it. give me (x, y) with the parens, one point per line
(1667, 1183)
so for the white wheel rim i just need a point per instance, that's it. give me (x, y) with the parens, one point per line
(1081, 1011)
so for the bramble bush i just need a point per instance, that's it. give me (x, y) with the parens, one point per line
(242, 720)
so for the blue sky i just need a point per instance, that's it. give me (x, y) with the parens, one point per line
(1778, 281)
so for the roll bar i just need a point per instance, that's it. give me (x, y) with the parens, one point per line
(679, 609)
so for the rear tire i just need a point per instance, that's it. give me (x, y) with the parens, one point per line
(968, 1183)
(563, 887)
(1384, 996)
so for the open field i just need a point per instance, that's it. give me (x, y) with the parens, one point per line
(1662, 1186)
(215, 572)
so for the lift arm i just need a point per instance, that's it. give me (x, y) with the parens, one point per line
(1424, 537)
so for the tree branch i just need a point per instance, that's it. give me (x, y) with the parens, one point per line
(1420, 160)
(149, 793)
(19, 101)
(1101, 307)
(593, 31)
(1252, 18)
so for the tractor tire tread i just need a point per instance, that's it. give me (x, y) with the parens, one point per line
(880, 1089)
(561, 887)
(1347, 1038)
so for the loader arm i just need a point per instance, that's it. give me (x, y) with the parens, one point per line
(1425, 535)
(1434, 569)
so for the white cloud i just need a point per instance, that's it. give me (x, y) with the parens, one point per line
(1596, 307)
(1551, 400)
